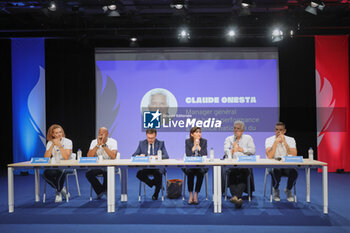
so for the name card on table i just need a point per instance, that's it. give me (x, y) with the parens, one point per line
(40, 160)
(191, 159)
(140, 159)
(245, 158)
(88, 160)
(293, 159)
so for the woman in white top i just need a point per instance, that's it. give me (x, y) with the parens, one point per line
(58, 148)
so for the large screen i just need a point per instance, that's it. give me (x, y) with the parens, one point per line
(206, 87)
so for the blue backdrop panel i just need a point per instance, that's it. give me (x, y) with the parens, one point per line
(28, 97)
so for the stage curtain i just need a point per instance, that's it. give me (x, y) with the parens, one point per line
(332, 98)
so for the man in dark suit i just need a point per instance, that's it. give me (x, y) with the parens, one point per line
(150, 147)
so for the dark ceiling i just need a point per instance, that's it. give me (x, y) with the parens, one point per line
(156, 19)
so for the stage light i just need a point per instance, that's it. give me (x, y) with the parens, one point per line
(133, 42)
(246, 3)
(291, 33)
(315, 6)
(112, 7)
(245, 7)
(231, 33)
(52, 6)
(183, 35)
(277, 35)
(178, 4)
(111, 10)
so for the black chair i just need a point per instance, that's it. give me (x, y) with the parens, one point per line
(250, 182)
(206, 186)
(144, 186)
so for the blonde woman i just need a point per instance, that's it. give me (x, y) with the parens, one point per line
(59, 148)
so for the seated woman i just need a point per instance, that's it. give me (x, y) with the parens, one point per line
(58, 147)
(195, 146)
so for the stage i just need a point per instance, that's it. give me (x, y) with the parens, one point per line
(259, 215)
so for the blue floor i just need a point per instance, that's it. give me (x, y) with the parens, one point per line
(259, 215)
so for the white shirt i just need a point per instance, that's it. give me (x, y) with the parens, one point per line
(281, 150)
(111, 144)
(246, 142)
(56, 153)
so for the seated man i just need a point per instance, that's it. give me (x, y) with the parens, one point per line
(150, 147)
(277, 146)
(108, 148)
(236, 145)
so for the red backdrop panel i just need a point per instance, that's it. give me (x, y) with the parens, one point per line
(332, 90)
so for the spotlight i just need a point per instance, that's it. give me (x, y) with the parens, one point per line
(246, 3)
(52, 6)
(111, 10)
(133, 42)
(112, 7)
(277, 35)
(231, 34)
(315, 6)
(178, 4)
(183, 35)
(245, 6)
(291, 33)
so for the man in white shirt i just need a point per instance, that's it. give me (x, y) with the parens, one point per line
(107, 148)
(236, 145)
(277, 146)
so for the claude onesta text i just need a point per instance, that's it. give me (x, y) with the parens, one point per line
(221, 100)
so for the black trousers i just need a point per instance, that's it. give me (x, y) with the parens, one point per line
(237, 181)
(291, 173)
(55, 178)
(191, 173)
(92, 174)
(144, 176)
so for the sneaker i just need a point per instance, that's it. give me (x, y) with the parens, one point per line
(276, 194)
(64, 193)
(289, 195)
(58, 197)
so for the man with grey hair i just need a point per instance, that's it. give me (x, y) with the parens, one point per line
(236, 145)
(158, 100)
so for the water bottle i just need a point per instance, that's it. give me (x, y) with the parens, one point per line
(311, 154)
(57, 156)
(229, 156)
(159, 153)
(184, 156)
(79, 154)
(211, 154)
(118, 155)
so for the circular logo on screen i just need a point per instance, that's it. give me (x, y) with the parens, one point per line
(159, 99)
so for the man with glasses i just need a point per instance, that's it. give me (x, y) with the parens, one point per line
(236, 145)
(277, 146)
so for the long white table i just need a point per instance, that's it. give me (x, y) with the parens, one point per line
(111, 165)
